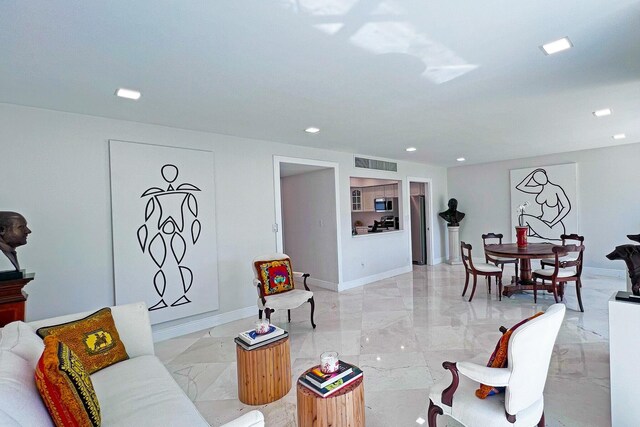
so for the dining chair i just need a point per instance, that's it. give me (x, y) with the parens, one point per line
(274, 280)
(563, 272)
(571, 256)
(490, 238)
(475, 269)
(529, 352)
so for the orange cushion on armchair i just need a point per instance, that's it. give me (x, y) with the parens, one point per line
(275, 276)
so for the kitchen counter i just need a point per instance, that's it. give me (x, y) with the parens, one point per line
(377, 233)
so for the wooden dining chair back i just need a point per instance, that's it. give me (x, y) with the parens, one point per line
(475, 269)
(493, 238)
(564, 270)
(569, 256)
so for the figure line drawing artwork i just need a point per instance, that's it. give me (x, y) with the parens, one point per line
(172, 206)
(554, 206)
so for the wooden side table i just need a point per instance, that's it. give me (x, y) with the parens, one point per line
(264, 374)
(343, 408)
(13, 299)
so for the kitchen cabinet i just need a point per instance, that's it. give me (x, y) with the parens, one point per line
(363, 198)
(356, 199)
(368, 198)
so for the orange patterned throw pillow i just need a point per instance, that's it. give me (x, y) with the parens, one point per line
(94, 340)
(275, 276)
(499, 358)
(65, 386)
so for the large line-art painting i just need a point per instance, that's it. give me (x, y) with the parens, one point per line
(551, 192)
(164, 229)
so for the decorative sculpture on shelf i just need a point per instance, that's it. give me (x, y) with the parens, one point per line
(13, 233)
(452, 215)
(630, 254)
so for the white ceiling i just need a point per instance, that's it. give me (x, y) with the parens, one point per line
(450, 77)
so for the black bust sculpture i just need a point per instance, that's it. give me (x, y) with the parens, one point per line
(13, 233)
(630, 254)
(451, 215)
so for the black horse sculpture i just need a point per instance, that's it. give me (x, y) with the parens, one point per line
(630, 254)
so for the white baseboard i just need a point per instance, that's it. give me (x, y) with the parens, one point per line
(204, 323)
(374, 278)
(322, 284)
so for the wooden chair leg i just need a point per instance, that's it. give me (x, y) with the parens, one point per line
(578, 286)
(313, 307)
(489, 283)
(541, 422)
(268, 312)
(473, 290)
(499, 279)
(535, 290)
(554, 287)
(289, 315)
(260, 314)
(466, 283)
(433, 413)
(516, 264)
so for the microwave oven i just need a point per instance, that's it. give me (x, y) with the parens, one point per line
(383, 205)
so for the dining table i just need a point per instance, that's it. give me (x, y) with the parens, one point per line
(524, 255)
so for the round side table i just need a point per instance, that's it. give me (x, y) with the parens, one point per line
(264, 374)
(343, 408)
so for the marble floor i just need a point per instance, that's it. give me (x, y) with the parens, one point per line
(399, 331)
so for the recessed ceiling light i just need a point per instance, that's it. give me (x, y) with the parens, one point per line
(411, 149)
(603, 112)
(461, 159)
(128, 93)
(312, 130)
(619, 136)
(556, 46)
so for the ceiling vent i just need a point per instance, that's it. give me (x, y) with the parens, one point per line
(365, 163)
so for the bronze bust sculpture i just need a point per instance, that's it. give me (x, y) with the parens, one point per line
(13, 233)
(451, 215)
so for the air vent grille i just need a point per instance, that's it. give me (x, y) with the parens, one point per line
(365, 163)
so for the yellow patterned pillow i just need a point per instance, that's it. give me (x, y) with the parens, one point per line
(65, 386)
(94, 340)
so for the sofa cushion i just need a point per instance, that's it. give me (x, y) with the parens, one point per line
(94, 339)
(65, 386)
(20, 402)
(20, 339)
(141, 392)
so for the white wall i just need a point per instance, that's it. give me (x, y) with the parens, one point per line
(608, 198)
(309, 223)
(56, 172)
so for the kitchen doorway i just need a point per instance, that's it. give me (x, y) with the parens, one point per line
(307, 218)
(420, 221)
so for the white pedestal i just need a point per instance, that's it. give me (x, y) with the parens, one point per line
(624, 348)
(454, 246)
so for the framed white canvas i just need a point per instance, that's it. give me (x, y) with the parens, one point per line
(164, 237)
(552, 195)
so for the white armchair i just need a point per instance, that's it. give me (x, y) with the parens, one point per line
(522, 403)
(293, 298)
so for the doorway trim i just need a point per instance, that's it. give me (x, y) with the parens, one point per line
(428, 217)
(277, 227)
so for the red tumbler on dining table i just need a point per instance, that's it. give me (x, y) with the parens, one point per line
(521, 236)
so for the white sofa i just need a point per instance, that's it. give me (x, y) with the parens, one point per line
(136, 392)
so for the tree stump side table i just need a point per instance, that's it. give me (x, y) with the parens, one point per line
(264, 374)
(343, 408)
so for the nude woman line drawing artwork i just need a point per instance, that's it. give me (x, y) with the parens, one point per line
(554, 205)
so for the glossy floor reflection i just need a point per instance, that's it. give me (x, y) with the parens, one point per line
(399, 331)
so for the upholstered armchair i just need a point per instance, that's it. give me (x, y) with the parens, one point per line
(521, 403)
(277, 288)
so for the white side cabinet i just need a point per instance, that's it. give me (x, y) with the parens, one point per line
(624, 351)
